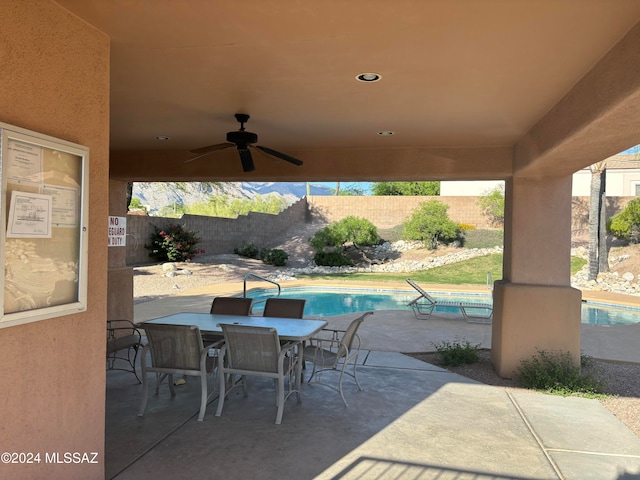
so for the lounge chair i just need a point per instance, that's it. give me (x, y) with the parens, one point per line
(424, 305)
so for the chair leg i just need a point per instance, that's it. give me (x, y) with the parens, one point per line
(145, 387)
(280, 402)
(340, 385)
(355, 373)
(203, 396)
(298, 377)
(222, 386)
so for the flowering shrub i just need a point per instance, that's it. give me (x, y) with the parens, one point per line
(174, 243)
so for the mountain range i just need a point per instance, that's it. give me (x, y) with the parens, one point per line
(157, 195)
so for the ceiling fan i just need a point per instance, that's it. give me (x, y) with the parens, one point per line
(242, 140)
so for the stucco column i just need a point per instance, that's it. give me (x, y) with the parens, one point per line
(535, 307)
(120, 277)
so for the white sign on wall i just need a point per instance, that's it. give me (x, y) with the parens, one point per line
(117, 231)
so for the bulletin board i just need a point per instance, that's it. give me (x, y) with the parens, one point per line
(44, 242)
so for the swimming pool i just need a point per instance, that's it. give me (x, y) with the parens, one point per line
(337, 301)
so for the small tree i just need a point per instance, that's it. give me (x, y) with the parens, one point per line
(136, 204)
(427, 189)
(492, 205)
(626, 224)
(430, 224)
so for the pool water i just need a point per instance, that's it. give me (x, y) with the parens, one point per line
(338, 301)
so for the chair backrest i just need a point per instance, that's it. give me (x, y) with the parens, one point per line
(350, 334)
(421, 291)
(252, 348)
(284, 307)
(174, 346)
(231, 306)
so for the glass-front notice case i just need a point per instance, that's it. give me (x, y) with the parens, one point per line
(44, 242)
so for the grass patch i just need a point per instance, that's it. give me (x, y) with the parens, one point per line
(468, 272)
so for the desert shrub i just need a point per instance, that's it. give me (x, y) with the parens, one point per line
(430, 224)
(249, 251)
(557, 372)
(467, 227)
(492, 205)
(457, 353)
(274, 256)
(350, 229)
(136, 204)
(626, 224)
(332, 259)
(174, 243)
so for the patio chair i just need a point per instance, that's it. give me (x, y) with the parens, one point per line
(123, 335)
(334, 352)
(284, 307)
(256, 351)
(228, 306)
(175, 350)
(425, 304)
(231, 306)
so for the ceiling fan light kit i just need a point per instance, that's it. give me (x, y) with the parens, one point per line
(242, 140)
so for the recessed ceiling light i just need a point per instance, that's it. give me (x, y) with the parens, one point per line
(368, 77)
(162, 138)
(386, 133)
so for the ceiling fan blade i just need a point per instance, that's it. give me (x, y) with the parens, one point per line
(246, 159)
(281, 156)
(204, 151)
(213, 148)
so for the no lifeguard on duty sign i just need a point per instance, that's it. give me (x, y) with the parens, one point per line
(117, 231)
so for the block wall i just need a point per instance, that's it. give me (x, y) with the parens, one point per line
(222, 235)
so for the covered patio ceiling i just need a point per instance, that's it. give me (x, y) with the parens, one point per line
(471, 89)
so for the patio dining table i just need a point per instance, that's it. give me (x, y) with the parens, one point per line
(290, 329)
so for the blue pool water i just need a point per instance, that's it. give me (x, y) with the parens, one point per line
(338, 301)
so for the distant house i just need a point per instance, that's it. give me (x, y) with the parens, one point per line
(623, 180)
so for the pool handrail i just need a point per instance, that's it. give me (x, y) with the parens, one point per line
(259, 277)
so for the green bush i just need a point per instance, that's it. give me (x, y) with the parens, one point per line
(626, 224)
(274, 256)
(492, 205)
(350, 229)
(556, 372)
(249, 251)
(406, 188)
(430, 224)
(457, 353)
(332, 259)
(174, 243)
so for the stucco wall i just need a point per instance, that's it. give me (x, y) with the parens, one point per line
(55, 80)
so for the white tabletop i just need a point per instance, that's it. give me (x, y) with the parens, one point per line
(294, 329)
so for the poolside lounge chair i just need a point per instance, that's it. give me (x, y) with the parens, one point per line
(424, 305)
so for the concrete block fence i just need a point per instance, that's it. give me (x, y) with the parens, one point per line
(222, 235)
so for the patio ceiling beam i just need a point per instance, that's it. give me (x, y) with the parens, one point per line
(599, 117)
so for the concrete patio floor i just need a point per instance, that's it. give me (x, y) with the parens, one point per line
(413, 420)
